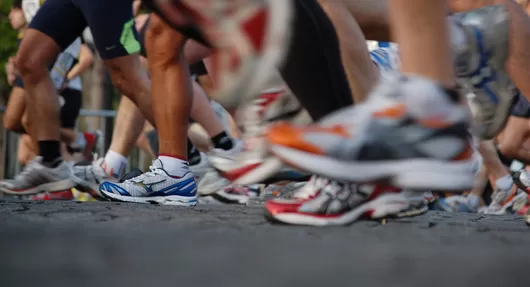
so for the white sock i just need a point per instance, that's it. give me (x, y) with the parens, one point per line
(174, 166)
(504, 182)
(114, 164)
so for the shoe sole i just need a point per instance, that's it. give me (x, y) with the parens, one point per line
(269, 168)
(47, 187)
(162, 200)
(386, 205)
(276, 43)
(413, 174)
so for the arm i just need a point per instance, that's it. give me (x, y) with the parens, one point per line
(86, 59)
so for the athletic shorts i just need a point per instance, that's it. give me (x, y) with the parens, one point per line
(190, 31)
(196, 69)
(521, 107)
(111, 23)
(71, 101)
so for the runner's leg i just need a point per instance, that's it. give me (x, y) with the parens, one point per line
(15, 109)
(362, 73)
(172, 93)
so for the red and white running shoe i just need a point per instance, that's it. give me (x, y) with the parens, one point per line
(59, 195)
(324, 202)
(250, 38)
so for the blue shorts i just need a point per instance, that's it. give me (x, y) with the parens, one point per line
(521, 107)
(110, 21)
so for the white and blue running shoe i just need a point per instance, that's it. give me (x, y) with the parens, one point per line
(386, 59)
(480, 67)
(155, 186)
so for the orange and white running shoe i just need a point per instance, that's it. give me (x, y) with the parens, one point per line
(408, 134)
(250, 37)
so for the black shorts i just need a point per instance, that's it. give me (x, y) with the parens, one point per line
(111, 23)
(521, 107)
(71, 105)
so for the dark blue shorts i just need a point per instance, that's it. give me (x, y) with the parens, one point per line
(111, 23)
(521, 107)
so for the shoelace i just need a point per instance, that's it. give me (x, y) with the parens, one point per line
(153, 171)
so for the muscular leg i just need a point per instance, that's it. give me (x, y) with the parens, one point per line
(362, 73)
(43, 102)
(420, 26)
(171, 87)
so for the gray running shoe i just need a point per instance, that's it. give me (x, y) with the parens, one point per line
(37, 178)
(480, 68)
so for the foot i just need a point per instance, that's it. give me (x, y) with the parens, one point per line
(200, 168)
(37, 178)
(250, 38)
(502, 200)
(89, 177)
(455, 203)
(522, 180)
(238, 194)
(481, 68)
(408, 134)
(324, 202)
(253, 164)
(155, 186)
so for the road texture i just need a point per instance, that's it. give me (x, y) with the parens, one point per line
(112, 244)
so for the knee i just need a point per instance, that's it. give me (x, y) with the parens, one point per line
(163, 44)
(29, 68)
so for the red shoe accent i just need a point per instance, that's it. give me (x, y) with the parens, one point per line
(234, 174)
(255, 28)
(59, 195)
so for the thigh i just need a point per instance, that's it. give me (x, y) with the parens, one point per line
(61, 20)
(70, 108)
(112, 25)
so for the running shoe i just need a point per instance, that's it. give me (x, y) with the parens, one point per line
(155, 186)
(408, 134)
(58, 195)
(522, 180)
(502, 201)
(37, 178)
(386, 59)
(481, 67)
(200, 168)
(89, 177)
(454, 203)
(254, 164)
(340, 204)
(251, 38)
(238, 194)
(211, 182)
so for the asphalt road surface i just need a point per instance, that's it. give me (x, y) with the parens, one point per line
(112, 244)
